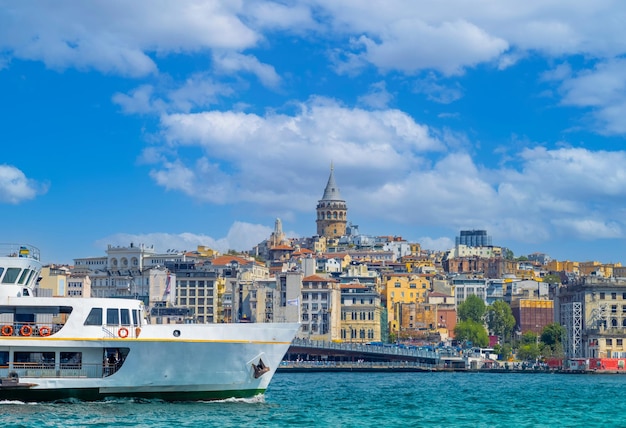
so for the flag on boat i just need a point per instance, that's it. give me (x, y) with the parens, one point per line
(293, 302)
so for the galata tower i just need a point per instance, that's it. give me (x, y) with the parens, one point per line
(331, 211)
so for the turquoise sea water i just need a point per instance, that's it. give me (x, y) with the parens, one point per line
(364, 400)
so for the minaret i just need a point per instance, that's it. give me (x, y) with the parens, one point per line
(331, 211)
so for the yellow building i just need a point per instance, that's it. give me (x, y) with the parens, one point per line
(418, 263)
(53, 281)
(402, 289)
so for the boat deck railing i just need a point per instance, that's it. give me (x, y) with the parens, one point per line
(19, 250)
(28, 329)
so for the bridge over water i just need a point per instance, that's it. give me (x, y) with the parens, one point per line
(304, 350)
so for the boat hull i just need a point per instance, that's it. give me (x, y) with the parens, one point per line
(200, 362)
(95, 394)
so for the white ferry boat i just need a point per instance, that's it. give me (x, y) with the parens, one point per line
(62, 348)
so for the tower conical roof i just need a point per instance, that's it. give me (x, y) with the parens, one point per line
(331, 193)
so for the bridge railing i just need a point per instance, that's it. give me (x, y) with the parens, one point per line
(369, 349)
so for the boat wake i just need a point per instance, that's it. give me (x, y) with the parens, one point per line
(13, 402)
(257, 399)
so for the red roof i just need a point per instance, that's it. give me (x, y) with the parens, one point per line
(353, 285)
(227, 259)
(438, 294)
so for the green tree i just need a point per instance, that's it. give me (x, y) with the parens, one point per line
(472, 331)
(504, 351)
(529, 347)
(528, 351)
(553, 333)
(472, 309)
(500, 319)
(529, 338)
(552, 279)
(552, 337)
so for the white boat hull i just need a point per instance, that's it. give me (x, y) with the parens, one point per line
(203, 362)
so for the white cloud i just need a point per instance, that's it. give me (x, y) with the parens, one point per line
(412, 45)
(603, 91)
(378, 97)
(436, 244)
(15, 187)
(438, 92)
(238, 147)
(117, 37)
(230, 62)
(196, 92)
(140, 101)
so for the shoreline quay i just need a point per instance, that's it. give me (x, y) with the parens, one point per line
(411, 368)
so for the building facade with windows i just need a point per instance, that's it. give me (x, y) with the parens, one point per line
(321, 308)
(593, 312)
(360, 313)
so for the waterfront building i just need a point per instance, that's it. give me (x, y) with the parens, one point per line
(193, 286)
(332, 211)
(593, 312)
(532, 314)
(321, 308)
(398, 291)
(277, 299)
(360, 313)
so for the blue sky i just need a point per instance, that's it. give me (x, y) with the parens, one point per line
(185, 123)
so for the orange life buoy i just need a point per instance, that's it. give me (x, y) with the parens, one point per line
(26, 330)
(122, 332)
(44, 331)
(7, 330)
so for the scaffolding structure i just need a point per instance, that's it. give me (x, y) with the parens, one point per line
(572, 320)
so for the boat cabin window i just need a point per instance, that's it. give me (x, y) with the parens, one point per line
(136, 317)
(113, 316)
(94, 317)
(11, 275)
(30, 276)
(125, 316)
(27, 359)
(4, 359)
(23, 276)
(71, 360)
